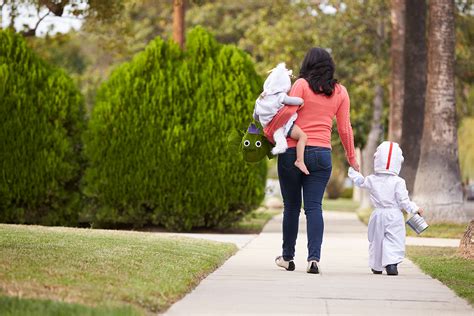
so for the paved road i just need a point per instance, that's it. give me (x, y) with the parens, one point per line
(250, 284)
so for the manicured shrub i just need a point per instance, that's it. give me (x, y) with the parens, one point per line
(157, 139)
(41, 120)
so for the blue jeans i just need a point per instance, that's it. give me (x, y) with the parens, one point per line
(292, 180)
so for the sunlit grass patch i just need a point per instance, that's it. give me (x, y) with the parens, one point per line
(97, 267)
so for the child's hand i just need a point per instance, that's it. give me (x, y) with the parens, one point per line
(420, 211)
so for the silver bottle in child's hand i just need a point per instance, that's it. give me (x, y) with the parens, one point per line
(417, 223)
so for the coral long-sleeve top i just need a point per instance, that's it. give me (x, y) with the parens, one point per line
(315, 117)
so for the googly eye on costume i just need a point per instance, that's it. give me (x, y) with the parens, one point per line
(246, 143)
(258, 143)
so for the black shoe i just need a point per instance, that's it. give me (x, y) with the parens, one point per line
(376, 272)
(391, 269)
(288, 265)
(313, 267)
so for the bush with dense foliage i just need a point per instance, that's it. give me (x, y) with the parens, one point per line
(157, 138)
(41, 121)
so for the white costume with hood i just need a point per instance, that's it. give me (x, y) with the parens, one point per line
(389, 196)
(272, 99)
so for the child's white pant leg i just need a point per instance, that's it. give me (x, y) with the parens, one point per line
(289, 124)
(376, 238)
(394, 240)
(280, 141)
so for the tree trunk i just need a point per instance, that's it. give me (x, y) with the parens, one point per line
(372, 142)
(438, 180)
(375, 133)
(397, 89)
(415, 87)
(178, 21)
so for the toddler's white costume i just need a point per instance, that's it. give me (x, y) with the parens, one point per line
(389, 196)
(271, 100)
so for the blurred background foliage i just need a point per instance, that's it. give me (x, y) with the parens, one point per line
(270, 31)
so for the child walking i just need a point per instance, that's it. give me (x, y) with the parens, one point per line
(389, 195)
(270, 101)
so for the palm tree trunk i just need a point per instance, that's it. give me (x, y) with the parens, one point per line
(372, 142)
(397, 89)
(438, 180)
(415, 87)
(178, 21)
(375, 134)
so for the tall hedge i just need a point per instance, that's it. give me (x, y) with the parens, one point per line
(41, 121)
(157, 139)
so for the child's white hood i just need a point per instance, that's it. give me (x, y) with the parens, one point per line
(278, 80)
(388, 158)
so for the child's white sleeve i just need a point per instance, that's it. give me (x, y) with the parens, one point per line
(403, 200)
(357, 178)
(255, 115)
(287, 100)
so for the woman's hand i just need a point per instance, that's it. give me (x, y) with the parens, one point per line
(355, 165)
(420, 211)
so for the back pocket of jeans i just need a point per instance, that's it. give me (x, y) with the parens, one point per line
(324, 160)
(287, 160)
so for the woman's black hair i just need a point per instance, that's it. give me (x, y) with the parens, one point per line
(318, 69)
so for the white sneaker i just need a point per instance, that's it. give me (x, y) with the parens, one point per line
(313, 267)
(288, 265)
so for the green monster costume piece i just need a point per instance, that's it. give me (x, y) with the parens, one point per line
(253, 144)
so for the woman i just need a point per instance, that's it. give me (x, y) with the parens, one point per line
(324, 99)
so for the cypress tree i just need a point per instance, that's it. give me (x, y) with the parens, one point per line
(41, 121)
(157, 139)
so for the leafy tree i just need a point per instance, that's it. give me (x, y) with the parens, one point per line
(97, 9)
(62, 50)
(158, 135)
(274, 31)
(41, 121)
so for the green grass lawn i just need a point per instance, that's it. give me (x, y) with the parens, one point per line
(341, 204)
(440, 230)
(14, 306)
(253, 222)
(443, 264)
(108, 269)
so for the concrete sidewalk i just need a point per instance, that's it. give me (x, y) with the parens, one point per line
(249, 283)
(240, 240)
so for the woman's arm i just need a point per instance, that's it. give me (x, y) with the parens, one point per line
(344, 129)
